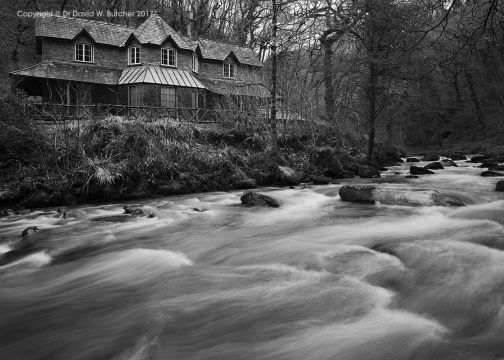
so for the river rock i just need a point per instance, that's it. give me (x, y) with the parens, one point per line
(416, 170)
(443, 199)
(320, 180)
(138, 210)
(411, 177)
(434, 166)
(257, 199)
(246, 183)
(431, 157)
(448, 163)
(496, 168)
(499, 186)
(367, 172)
(357, 193)
(28, 231)
(288, 176)
(488, 164)
(489, 173)
(412, 159)
(456, 156)
(479, 158)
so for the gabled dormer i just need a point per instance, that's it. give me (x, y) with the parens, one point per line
(134, 50)
(84, 47)
(169, 52)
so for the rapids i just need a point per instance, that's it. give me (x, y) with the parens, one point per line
(317, 278)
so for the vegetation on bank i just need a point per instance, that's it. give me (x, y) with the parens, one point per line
(116, 159)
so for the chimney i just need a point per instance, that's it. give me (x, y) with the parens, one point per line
(190, 25)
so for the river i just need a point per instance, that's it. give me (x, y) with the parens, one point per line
(232, 282)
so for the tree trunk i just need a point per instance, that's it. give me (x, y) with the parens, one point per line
(274, 140)
(373, 79)
(456, 87)
(474, 96)
(328, 82)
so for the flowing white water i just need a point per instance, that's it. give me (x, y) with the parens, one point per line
(315, 279)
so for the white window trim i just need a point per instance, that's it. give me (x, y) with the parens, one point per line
(130, 49)
(83, 52)
(168, 57)
(195, 63)
(224, 70)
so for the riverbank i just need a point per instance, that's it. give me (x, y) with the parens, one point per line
(114, 159)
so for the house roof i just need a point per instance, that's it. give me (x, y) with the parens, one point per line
(71, 71)
(63, 27)
(233, 87)
(159, 75)
(155, 31)
(214, 50)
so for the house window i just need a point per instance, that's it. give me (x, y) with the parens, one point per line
(169, 57)
(84, 52)
(134, 55)
(168, 98)
(195, 63)
(229, 70)
(136, 95)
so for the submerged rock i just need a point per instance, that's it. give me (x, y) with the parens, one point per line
(357, 193)
(416, 170)
(28, 231)
(412, 159)
(26, 246)
(443, 199)
(489, 173)
(479, 158)
(499, 186)
(411, 177)
(448, 163)
(488, 164)
(138, 210)
(257, 199)
(456, 156)
(367, 171)
(288, 176)
(434, 166)
(497, 168)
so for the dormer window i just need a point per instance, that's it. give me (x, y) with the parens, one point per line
(229, 70)
(195, 63)
(134, 55)
(84, 52)
(169, 57)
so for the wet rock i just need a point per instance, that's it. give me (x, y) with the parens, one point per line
(499, 186)
(257, 199)
(434, 166)
(416, 170)
(431, 157)
(412, 159)
(479, 158)
(198, 210)
(357, 193)
(138, 210)
(411, 177)
(4, 212)
(367, 172)
(489, 173)
(456, 156)
(28, 231)
(448, 163)
(383, 169)
(488, 164)
(320, 180)
(497, 168)
(288, 176)
(443, 199)
(246, 183)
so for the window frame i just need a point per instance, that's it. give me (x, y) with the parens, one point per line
(229, 65)
(138, 56)
(195, 63)
(83, 52)
(175, 57)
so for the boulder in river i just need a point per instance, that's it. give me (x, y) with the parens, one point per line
(489, 173)
(448, 163)
(138, 210)
(488, 164)
(367, 171)
(431, 157)
(497, 168)
(499, 186)
(28, 231)
(443, 199)
(479, 158)
(412, 159)
(257, 199)
(456, 156)
(416, 170)
(320, 180)
(288, 176)
(357, 193)
(411, 177)
(434, 166)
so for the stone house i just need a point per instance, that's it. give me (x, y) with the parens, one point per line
(85, 62)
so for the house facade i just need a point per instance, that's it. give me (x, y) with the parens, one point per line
(84, 62)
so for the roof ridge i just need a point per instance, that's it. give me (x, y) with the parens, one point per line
(95, 21)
